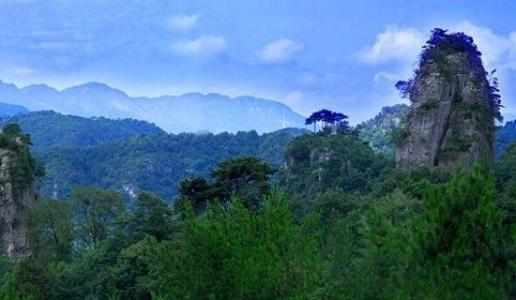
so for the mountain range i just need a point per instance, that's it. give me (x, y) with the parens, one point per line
(186, 113)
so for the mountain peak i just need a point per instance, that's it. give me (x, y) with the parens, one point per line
(93, 88)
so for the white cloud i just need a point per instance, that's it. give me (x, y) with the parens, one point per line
(498, 51)
(279, 51)
(394, 44)
(404, 44)
(400, 47)
(182, 22)
(204, 46)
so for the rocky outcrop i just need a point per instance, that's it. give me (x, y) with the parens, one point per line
(16, 196)
(450, 121)
(13, 208)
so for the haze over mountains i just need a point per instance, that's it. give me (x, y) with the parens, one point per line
(186, 113)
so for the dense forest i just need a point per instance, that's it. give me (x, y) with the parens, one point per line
(361, 230)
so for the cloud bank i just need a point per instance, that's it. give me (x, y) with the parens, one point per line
(398, 44)
(394, 44)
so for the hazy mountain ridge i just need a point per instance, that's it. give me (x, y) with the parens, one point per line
(186, 113)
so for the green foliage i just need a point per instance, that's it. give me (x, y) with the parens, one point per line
(379, 265)
(238, 254)
(421, 236)
(154, 163)
(195, 191)
(152, 217)
(8, 289)
(444, 64)
(24, 169)
(399, 136)
(247, 178)
(458, 142)
(49, 129)
(458, 238)
(449, 246)
(131, 271)
(320, 163)
(94, 214)
(411, 182)
(32, 280)
(51, 230)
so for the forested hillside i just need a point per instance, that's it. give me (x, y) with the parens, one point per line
(364, 230)
(154, 163)
(129, 155)
(53, 130)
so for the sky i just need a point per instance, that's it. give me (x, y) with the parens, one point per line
(340, 55)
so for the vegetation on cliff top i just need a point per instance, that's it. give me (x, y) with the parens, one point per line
(23, 168)
(438, 47)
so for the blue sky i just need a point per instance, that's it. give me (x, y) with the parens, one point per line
(342, 55)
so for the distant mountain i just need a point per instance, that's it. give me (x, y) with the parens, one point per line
(187, 113)
(9, 110)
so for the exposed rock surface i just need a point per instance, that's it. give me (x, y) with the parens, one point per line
(13, 208)
(17, 191)
(450, 122)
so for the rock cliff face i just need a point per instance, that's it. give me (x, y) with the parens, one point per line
(17, 195)
(13, 207)
(451, 119)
